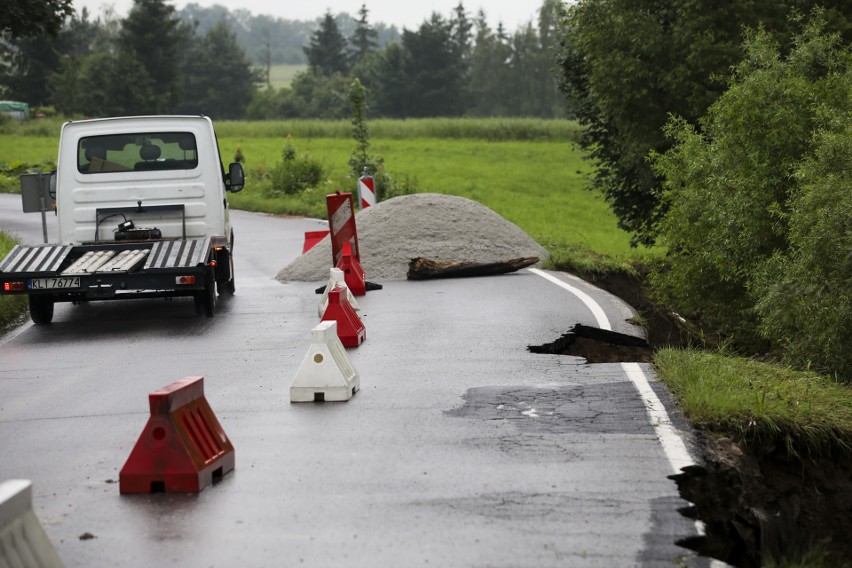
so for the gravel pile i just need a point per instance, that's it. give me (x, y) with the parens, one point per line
(434, 226)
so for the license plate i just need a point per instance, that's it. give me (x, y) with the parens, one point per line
(55, 283)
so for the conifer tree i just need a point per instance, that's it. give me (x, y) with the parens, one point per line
(327, 49)
(365, 38)
(155, 36)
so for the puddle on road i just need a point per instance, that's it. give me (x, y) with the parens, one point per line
(597, 345)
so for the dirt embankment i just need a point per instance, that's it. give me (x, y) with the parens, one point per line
(757, 501)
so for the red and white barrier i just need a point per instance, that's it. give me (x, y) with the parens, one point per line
(341, 224)
(366, 191)
(326, 374)
(183, 448)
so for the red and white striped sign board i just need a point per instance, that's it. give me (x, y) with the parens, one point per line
(341, 223)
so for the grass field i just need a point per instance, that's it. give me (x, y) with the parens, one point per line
(283, 74)
(540, 186)
(529, 171)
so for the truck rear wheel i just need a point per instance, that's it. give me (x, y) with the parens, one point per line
(41, 308)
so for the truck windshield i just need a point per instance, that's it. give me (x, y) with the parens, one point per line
(134, 152)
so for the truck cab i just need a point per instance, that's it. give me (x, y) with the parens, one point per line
(137, 163)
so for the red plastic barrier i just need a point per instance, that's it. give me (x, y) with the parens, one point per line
(183, 448)
(341, 223)
(350, 329)
(312, 238)
(353, 273)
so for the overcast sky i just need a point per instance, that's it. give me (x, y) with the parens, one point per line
(402, 13)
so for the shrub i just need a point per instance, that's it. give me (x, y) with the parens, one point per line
(758, 243)
(295, 173)
(804, 295)
(362, 162)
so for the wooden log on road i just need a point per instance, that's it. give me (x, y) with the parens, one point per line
(424, 269)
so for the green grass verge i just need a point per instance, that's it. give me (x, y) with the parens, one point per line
(579, 258)
(754, 402)
(12, 308)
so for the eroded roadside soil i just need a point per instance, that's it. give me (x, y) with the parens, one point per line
(758, 501)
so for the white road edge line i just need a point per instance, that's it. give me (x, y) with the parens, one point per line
(673, 445)
(674, 448)
(597, 310)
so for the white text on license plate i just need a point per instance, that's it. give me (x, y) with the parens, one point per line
(55, 283)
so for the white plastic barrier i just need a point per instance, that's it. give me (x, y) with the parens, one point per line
(23, 542)
(326, 374)
(336, 279)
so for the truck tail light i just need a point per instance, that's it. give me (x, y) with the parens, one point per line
(14, 286)
(185, 280)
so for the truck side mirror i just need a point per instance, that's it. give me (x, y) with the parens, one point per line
(236, 177)
(51, 185)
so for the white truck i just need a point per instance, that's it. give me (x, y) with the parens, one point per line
(142, 211)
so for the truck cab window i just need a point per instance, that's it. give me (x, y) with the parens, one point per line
(137, 152)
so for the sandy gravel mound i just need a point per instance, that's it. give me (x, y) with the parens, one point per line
(431, 225)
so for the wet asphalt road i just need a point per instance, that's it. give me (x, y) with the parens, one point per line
(461, 449)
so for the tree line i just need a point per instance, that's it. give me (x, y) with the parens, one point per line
(449, 66)
(150, 62)
(268, 40)
(216, 62)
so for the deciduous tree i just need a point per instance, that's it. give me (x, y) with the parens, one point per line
(758, 228)
(31, 18)
(123, 86)
(628, 64)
